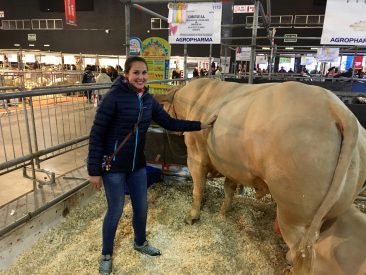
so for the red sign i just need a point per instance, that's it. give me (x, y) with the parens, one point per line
(70, 12)
(358, 62)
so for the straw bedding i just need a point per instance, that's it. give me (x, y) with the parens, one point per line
(243, 242)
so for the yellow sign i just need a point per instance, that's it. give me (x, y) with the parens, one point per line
(159, 88)
(156, 52)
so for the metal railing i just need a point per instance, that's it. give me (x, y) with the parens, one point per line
(39, 124)
(42, 123)
(30, 79)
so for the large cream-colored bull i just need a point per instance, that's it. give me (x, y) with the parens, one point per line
(299, 142)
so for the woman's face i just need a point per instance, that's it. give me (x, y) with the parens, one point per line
(137, 76)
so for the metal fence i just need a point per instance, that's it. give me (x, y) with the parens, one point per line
(39, 78)
(39, 124)
(42, 123)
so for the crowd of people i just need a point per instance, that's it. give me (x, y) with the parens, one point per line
(332, 72)
(204, 72)
(198, 72)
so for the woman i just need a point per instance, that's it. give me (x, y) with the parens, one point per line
(116, 116)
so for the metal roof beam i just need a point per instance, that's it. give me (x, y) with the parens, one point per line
(139, 7)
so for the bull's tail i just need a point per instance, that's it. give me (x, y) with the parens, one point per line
(348, 127)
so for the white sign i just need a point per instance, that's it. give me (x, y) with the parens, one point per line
(202, 25)
(327, 54)
(29, 58)
(292, 38)
(307, 60)
(243, 8)
(2, 14)
(32, 37)
(344, 23)
(225, 64)
(261, 59)
(243, 54)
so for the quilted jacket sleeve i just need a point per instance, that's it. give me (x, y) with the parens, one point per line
(102, 120)
(164, 120)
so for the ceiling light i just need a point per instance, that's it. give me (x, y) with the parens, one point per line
(46, 45)
(31, 45)
(265, 48)
(289, 48)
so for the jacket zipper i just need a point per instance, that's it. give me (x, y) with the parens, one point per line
(137, 133)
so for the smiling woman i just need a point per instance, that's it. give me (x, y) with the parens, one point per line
(122, 119)
(136, 73)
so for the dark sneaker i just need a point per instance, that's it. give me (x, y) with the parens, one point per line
(147, 249)
(105, 267)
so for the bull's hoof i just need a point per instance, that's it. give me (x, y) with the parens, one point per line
(289, 258)
(189, 220)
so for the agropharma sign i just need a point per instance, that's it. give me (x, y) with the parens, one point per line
(195, 23)
(188, 40)
(351, 30)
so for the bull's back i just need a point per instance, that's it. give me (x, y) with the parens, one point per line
(261, 116)
(286, 134)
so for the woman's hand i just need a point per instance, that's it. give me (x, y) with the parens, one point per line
(209, 123)
(95, 181)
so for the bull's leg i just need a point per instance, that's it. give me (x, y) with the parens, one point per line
(291, 233)
(229, 188)
(198, 173)
(261, 188)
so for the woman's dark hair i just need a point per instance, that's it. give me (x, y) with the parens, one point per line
(132, 59)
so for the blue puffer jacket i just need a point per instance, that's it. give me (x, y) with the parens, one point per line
(115, 117)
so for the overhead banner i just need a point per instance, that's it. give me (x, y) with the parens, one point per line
(358, 62)
(243, 53)
(243, 9)
(351, 30)
(355, 62)
(307, 60)
(70, 12)
(327, 54)
(198, 23)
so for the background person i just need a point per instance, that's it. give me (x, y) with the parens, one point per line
(196, 73)
(331, 72)
(116, 116)
(88, 77)
(102, 78)
(112, 73)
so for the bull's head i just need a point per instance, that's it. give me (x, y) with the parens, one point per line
(167, 100)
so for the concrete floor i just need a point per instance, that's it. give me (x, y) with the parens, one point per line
(17, 197)
(14, 184)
